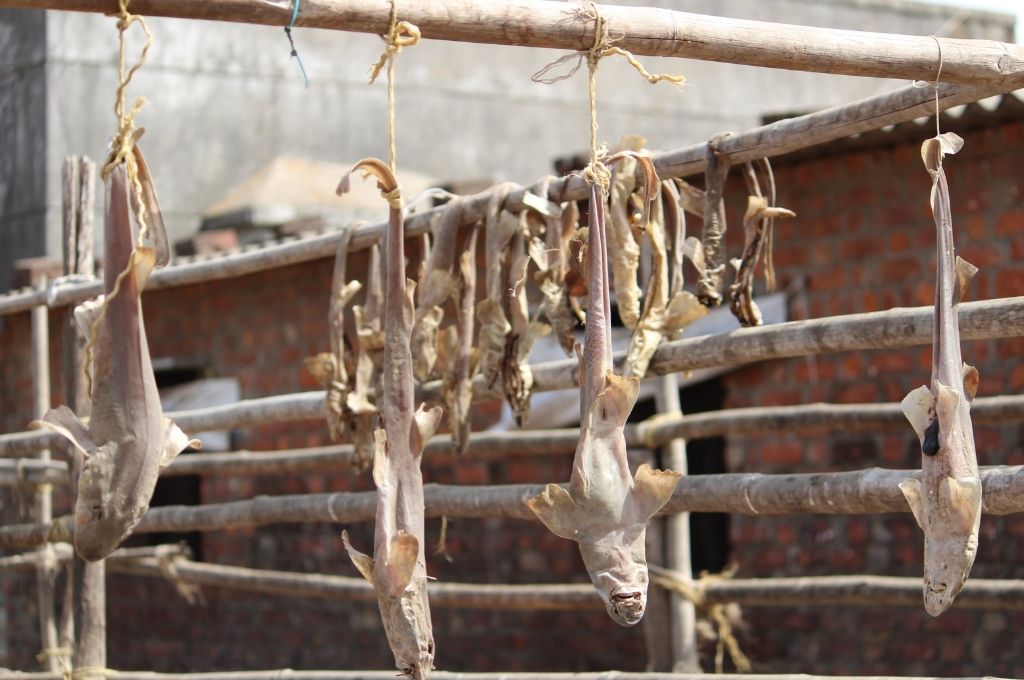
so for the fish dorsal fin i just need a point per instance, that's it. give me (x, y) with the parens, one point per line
(651, 490)
(917, 407)
(558, 511)
(175, 441)
(362, 561)
(403, 551)
(961, 497)
(64, 422)
(914, 493)
(971, 381)
(143, 262)
(424, 425)
(965, 271)
(947, 404)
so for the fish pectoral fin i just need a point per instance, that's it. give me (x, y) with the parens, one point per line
(362, 561)
(947, 406)
(143, 262)
(64, 422)
(557, 509)
(615, 402)
(175, 441)
(651, 490)
(914, 493)
(962, 499)
(971, 381)
(917, 407)
(403, 552)
(424, 425)
(965, 271)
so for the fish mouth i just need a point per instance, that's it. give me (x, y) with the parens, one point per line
(626, 606)
(938, 597)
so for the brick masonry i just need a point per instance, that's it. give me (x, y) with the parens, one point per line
(863, 241)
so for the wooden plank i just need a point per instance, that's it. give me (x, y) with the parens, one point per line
(641, 30)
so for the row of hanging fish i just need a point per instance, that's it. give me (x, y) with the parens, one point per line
(117, 457)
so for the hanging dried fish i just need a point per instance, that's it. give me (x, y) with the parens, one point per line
(329, 368)
(128, 439)
(556, 308)
(361, 399)
(708, 254)
(661, 316)
(500, 226)
(398, 569)
(624, 246)
(757, 233)
(680, 198)
(463, 357)
(606, 509)
(947, 499)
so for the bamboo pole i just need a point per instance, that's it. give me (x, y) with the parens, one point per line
(894, 328)
(869, 491)
(641, 30)
(289, 674)
(802, 418)
(770, 140)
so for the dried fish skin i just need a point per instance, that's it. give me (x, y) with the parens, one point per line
(398, 567)
(624, 249)
(755, 225)
(500, 226)
(556, 308)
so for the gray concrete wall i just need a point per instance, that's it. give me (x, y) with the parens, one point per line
(23, 97)
(224, 99)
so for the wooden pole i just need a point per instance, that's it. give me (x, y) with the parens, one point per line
(770, 140)
(46, 569)
(682, 615)
(869, 491)
(289, 674)
(641, 30)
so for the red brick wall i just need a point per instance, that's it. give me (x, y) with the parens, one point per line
(864, 240)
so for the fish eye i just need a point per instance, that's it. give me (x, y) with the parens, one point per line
(97, 511)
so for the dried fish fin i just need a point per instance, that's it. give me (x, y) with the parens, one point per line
(971, 381)
(64, 422)
(962, 499)
(400, 562)
(965, 271)
(425, 422)
(155, 232)
(918, 408)
(651, 491)
(175, 441)
(557, 510)
(682, 311)
(363, 562)
(914, 493)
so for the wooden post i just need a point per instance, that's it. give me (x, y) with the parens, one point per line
(46, 568)
(682, 615)
(88, 583)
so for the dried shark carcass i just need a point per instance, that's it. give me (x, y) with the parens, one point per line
(758, 225)
(119, 455)
(329, 368)
(708, 253)
(946, 500)
(606, 509)
(662, 316)
(398, 569)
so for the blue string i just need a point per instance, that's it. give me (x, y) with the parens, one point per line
(288, 32)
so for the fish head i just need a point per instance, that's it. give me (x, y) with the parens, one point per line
(618, 568)
(102, 518)
(947, 562)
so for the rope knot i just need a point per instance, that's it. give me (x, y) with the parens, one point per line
(401, 34)
(597, 173)
(393, 197)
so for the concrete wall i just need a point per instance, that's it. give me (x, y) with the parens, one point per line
(224, 99)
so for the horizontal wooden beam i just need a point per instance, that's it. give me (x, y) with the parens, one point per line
(870, 491)
(289, 674)
(770, 140)
(641, 30)
(894, 328)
